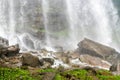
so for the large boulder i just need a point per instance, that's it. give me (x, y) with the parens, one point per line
(94, 61)
(96, 49)
(30, 60)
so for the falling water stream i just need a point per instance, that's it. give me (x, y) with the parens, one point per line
(36, 24)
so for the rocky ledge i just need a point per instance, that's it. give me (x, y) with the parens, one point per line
(88, 54)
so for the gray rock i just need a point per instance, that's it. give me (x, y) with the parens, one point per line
(94, 61)
(30, 60)
(46, 62)
(49, 76)
(96, 49)
(13, 50)
(50, 60)
(115, 67)
(9, 51)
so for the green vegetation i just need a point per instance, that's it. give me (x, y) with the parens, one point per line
(14, 74)
(106, 75)
(59, 77)
(77, 74)
(82, 74)
(38, 74)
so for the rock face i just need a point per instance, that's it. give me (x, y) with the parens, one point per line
(30, 60)
(98, 50)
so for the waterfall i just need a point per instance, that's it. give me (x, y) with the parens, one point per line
(45, 7)
(91, 19)
(100, 12)
(36, 24)
(12, 23)
(3, 21)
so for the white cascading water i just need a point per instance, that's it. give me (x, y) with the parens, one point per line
(91, 19)
(63, 23)
(12, 23)
(45, 8)
(3, 23)
(100, 11)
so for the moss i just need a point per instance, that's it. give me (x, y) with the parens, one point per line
(104, 72)
(13, 74)
(75, 74)
(59, 77)
(81, 74)
(106, 75)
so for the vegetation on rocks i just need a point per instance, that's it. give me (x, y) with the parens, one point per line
(14, 74)
(57, 74)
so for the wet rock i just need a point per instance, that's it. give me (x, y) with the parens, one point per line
(13, 50)
(115, 67)
(44, 51)
(9, 51)
(3, 52)
(94, 61)
(46, 62)
(73, 55)
(30, 60)
(48, 76)
(3, 46)
(11, 62)
(65, 60)
(98, 50)
(50, 60)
